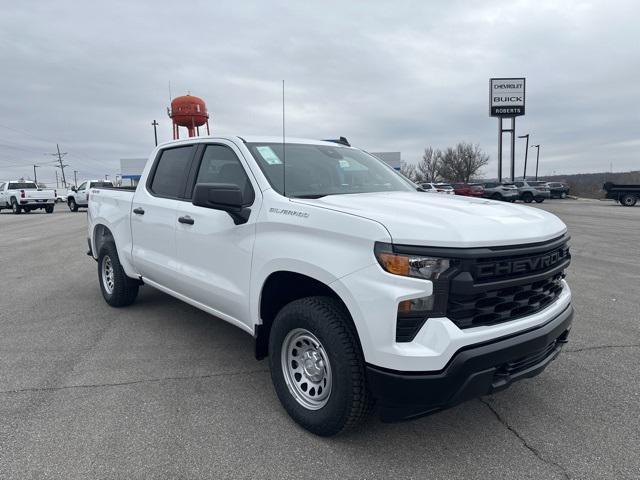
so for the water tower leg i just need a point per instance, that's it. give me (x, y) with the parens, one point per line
(208, 133)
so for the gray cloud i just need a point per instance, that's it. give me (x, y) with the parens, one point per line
(388, 76)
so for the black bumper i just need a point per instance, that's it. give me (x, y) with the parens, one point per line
(473, 371)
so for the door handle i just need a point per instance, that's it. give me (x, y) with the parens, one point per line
(186, 219)
(138, 211)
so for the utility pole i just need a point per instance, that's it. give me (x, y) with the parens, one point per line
(57, 186)
(61, 166)
(75, 178)
(537, 158)
(526, 152)
(155, 132)
(35, 175)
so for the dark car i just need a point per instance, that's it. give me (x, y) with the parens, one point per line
(469, 189)
(558, 189)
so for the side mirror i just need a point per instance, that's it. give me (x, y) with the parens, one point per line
(222, 196)
(74, 189)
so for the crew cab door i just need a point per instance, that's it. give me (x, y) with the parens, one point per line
(213, 253)
(153, 215)
(3, 195)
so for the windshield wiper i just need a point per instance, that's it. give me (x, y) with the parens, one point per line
(315, 195)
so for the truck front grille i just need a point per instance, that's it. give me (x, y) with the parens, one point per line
(506, 283)
(496, 306)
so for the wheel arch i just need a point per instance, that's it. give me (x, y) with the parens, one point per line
(282, 287)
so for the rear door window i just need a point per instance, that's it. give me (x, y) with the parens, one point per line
(170, 172)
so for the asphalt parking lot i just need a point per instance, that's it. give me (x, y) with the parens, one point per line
(162, 390)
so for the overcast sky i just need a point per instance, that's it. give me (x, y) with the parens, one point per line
(390, 76)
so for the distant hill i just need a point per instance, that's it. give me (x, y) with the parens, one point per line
(590, 184)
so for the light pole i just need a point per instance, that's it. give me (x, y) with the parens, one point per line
(35, 175)
(537, 158)
(526, 151)
(75, 178)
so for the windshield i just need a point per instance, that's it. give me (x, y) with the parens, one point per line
(537, 184)
(22, 186)
(318, 170)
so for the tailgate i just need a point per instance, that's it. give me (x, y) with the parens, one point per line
(39, 194)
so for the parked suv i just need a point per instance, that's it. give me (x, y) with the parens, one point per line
(529, 190)
(558, 189)
(501, 191)
(444, 188)
(357, 288)
(469, 189)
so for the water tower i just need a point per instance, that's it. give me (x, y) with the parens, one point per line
(188, 111)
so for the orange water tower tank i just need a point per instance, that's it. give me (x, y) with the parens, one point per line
(188, 111)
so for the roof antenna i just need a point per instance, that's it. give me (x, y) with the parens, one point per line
(284, 153)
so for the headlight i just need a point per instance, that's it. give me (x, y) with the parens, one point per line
(429, 268)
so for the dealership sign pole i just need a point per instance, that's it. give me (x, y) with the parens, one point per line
(506, 100)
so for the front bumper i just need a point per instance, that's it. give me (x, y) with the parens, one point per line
(472, 371)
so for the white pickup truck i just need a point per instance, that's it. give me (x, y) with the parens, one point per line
(359, 289)
(24, 196)
(79, 196)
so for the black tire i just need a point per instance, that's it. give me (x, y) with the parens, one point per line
(539, 200)
(73, 206)
(124, 290)
(349, 400)
(563, 195)
(15, 208)
(48, 209)
(527, 197)
(628, 200)
(496, 196)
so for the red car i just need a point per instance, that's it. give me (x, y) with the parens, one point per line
(469, 189)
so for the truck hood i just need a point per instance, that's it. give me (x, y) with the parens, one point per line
(446, 220)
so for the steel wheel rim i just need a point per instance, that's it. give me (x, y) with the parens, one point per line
(71, 204)
(306, 369)
(107, 274)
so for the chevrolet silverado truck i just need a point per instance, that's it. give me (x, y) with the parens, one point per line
(24, 196)
(361, 291)
(79, 196)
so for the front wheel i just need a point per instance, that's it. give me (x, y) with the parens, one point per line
(539, 200)
(563, 195)
(48, 209)
(73, 206)
(15, 208)
(317, 368)
(118, 290)
(527, 197)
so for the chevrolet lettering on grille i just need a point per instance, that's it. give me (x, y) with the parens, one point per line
(520, 265)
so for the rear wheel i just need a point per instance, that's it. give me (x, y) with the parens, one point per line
(628, 200)
(496, 196)
(73, 206)
(527, 197)
(563, 195)
(118, 290)
(317, 367)
(15, 208)
(539, 200)
(48, 209)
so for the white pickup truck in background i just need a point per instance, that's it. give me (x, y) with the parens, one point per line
(358, 288)
(78, 197)
(24, 196)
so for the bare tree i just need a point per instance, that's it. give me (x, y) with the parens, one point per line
(463, 162)
(409, 171)
(428, 169)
